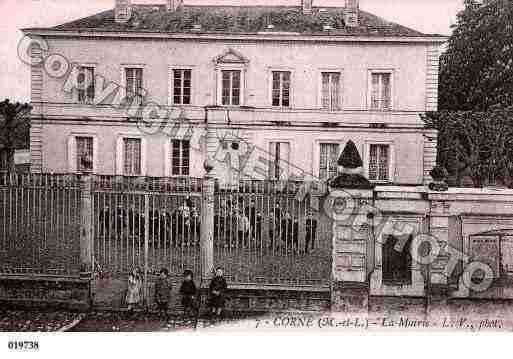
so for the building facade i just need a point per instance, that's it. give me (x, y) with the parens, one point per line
(263, 92)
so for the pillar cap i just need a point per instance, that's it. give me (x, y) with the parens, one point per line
(350, 174)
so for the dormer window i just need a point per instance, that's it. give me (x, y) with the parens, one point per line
(230, 68)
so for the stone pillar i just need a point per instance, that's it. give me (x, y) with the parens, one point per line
(86, 227)
(350, 197)
(207, 231)
(439, 285)
(439, 228)
(351, 246)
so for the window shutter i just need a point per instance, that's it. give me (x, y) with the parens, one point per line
(90, 90)
(325, 93)
(167, 158)
(72, 163)
(139, 81)
(285, 160)
(375, 92)
(119, 156)
(335, 93)
(383, 165)
(373, 166)
(272, 165)
(386, 91)
(323, 161)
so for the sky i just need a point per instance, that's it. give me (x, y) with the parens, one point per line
(429, 16)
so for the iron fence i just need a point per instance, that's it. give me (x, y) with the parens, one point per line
(146, 224)
(265, 232)
(268, 232)
(39, 224)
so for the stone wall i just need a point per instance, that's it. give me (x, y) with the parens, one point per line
(44, 292)
(467, 225)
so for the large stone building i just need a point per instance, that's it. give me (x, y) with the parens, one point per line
(281, 89)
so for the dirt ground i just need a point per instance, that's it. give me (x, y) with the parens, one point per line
(385, 314)
(35, 321)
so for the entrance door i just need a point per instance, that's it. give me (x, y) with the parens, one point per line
(397, 264)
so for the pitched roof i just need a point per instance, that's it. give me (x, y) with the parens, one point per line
(241, 20)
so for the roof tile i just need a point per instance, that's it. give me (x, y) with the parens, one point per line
(241, 19)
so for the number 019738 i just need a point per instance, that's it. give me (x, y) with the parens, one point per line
(23, 345)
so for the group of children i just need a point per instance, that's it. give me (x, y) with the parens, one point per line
(188, 291)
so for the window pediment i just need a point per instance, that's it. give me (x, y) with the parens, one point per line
(231, 57)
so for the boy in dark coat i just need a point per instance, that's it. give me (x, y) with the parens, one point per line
(162, 292)
(217, 292)
(188, 292)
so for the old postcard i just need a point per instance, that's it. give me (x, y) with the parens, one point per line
(256, 166)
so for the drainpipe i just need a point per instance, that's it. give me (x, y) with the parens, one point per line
(428, 273)
(209, 137)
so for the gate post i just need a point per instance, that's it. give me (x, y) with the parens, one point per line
(146, 248)
(86, 226)
(350, 197)
(207, 230)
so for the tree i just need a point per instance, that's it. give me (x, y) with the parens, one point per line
(479, 144)
(14, 125)
(476, 71)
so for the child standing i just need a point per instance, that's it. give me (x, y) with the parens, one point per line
(163, 292)
(188, 292)
(217, 292)
(133, 295)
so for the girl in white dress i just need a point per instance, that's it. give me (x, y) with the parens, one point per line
(133, 295)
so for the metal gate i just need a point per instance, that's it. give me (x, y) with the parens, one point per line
(145, 224)
(265, 233)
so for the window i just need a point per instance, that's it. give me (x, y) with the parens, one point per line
(278, 163)
(134, 79)
(132, 156)
(397, 265)
(85, 84)
(4, 159)
(84, 153)
(330, 91)
(182, 86)
(230, 87)
(379, 162)
(230, 75)
(381, 88)
(281, 88)
(328, 153)
(180, 157)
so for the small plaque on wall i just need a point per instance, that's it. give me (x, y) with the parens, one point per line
(485, 248)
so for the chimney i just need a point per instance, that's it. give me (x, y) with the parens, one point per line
(123, 11)
(173, 5)
(307, 6)
(351, 13)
